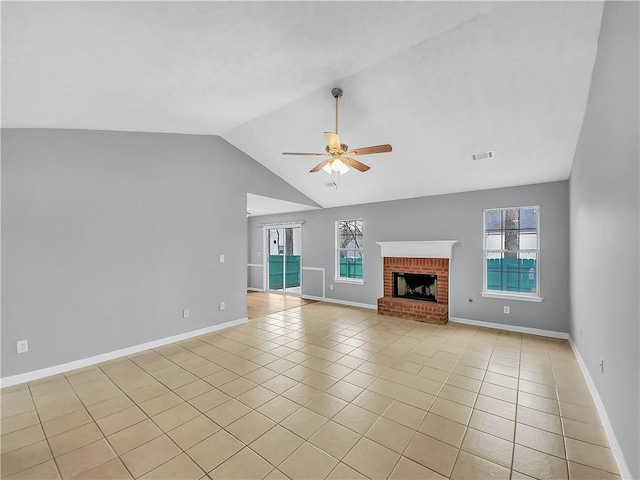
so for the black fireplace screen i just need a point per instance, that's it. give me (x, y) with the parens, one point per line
(415, 286)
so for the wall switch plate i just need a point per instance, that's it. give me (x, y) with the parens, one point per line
(601, 364)
(507, 309)
(186, 313)
(221, 305)
(22, 346)
(221, 258)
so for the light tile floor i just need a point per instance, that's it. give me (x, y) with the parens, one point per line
(318, 391)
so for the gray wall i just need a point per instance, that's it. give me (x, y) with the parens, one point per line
(604, 203)
(108, 236)
(446, 217)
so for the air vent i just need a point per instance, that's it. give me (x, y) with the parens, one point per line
(483, 155)
(331, 184)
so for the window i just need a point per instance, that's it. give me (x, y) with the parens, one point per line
(349, 246)
(512, 253)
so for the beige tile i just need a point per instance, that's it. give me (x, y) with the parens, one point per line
(539, 403)
(21, 438)
(276, 474)
(538, 465)
(355, 418)
(541, 440)
(24, 458)
(470, 466)
(256, 397)
(178, 468)
(434, 374)
(278, 408)
(405, 414)
(85, 458)
(335, 439)
(390, 434)
(109, 407)
(110, 470)
(582, 472)
(344, 390)
(308, 462)
(344, 472)
(466, 383)
(489, 447)
(209, 400)
(539, 389)
(386, 388)
(43, 471)
(301, 394)
(65, 423)
(374, 402)
(58, 409)
(214, 450)
(73, 439)
(427, 385)
(237, 387)
(409, 470)
(416, 398)
(276, 444)
(451, 410)
(193, 389)
(175, 416)
(498, 426)
(326, 405)
(443, 429)
(502, 380)
(496, 407)
(132, 437)
(250, 427)
(279, 384)
(591, 455)
(160, 403)
(243, 465)
(579, 413)
(432, 453)
(371, 459)
(18, 422)
(150, 455)
(192, 432)
(228, 412)
(499, 392)
(539, 419)
(459, 395)
(121, 420)
(304, 422)
(585, 432)
(147, 392)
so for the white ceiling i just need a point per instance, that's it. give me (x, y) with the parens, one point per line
(437, 80)
(260, 205)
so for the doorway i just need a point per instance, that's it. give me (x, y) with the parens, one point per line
(283, 257)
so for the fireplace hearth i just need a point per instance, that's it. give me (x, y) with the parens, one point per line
(416, 286)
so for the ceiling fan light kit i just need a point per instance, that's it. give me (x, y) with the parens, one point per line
(338, 162)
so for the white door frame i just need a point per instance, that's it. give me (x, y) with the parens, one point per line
(265, 255)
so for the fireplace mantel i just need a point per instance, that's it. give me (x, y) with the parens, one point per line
(418, 249)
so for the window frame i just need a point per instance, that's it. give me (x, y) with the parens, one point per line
(336, 254)
(504, 294)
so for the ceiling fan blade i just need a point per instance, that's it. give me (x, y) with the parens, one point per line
(319, 167)
(333, 142)
(304, 153)
(353, 163)
(369, 150)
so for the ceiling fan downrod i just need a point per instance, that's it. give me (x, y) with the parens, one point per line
(337, 93)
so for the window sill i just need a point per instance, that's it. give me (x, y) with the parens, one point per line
(512, 296)
(352, 281)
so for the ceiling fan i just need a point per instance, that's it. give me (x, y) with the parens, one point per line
(341, 156)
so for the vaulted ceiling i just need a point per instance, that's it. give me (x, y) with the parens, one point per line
(437, 80)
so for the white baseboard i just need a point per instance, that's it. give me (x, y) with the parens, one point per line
(608, 428)
(341, 302)
(104, 357)
(511, 328)
(254, 289)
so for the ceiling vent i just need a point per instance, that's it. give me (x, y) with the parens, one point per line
(483, 155)
(331, 185)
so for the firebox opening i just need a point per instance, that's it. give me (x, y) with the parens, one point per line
(415, 286)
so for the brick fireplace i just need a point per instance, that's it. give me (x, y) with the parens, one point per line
(429, 258)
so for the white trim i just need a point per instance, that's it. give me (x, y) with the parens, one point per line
(608, 428)
(254, 289)
(257, 265)
(512, 296)
(511, 328)
(315, 269)
(418, 249)
(341, 302)
(104, 357)
(352, 281)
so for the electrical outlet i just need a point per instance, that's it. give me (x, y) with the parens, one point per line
(221, 305)
(22, 346)
(331, 287)
(507, 309)
(186, 313)
(221, 258)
